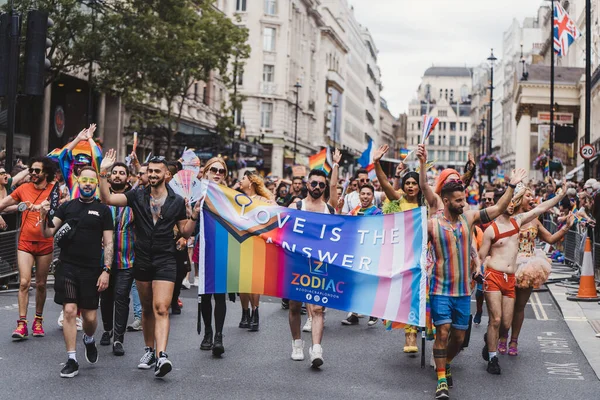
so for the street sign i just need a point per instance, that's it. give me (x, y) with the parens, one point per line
(587, 151)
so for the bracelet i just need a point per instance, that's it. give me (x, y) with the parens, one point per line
(104, 174)
(192, 218)
(335, 165)
(397, 176)
(106, 269)
(512, 186)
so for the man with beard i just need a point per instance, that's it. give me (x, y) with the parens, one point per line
(450, 234)
(297, 186)
(314, 202)
(501, 241)
(143, 175)
(114, 302)
(84, 227)
(156, 209)
(33, 248)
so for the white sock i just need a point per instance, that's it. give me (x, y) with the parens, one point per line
(72, 355)
(88, 339)
(492, 354)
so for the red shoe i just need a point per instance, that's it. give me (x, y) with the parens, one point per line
(37, 328)
(179, 303)
(21, 332)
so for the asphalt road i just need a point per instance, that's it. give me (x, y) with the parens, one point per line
(360, 362)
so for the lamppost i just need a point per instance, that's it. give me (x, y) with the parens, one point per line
(297, 86)
(524, 73)
(482, 136)
(335, 108)
(491, 59)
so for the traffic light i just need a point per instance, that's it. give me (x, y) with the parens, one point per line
(37, 42)
(4, 52)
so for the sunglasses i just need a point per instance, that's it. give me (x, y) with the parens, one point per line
(250, 173)
(35, 170)
(457, 181)
(2, 173)
(363, 180)
(85, 180)
(215, 170)
(314, 184)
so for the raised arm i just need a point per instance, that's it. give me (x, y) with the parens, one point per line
(542, 208)
(397, 180)
(469, 171)
(489, 214)
(430, 196)
(112, 199)
(187, 226)
(20, 176)
(333, 196)
(550, 238)
(383, 180)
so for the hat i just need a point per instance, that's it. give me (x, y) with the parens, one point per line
(590, 183)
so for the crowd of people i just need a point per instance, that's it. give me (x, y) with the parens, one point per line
(125, 234)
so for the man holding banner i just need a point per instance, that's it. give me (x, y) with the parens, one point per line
(450, 234)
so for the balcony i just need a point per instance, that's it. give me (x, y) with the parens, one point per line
(268, 88)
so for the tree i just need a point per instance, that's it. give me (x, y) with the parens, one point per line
(157, 49)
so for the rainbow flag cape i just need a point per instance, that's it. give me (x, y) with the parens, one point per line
(84, 150)
(373, 265)
(321, 161)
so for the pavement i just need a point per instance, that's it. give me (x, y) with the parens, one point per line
(360, 362)
(581, 317)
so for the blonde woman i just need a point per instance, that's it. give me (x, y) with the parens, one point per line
(215, 170)
(253, 186)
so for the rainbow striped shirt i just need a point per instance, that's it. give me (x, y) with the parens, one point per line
(451, 246)
(123, 236)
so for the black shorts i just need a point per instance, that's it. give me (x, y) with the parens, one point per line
(162, 270)
(78, 285)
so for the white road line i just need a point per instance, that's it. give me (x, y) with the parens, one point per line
(533, 306)
(539, 303)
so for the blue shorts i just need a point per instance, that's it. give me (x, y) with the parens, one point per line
(451, 310)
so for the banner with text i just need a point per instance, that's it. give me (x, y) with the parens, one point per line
(372, 265)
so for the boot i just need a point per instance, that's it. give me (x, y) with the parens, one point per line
(218, 348)
(245, 322)
(254, 321)
(207, 342)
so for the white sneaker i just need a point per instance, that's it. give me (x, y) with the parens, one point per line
(186, 283)
(61, 317)
(316, 355)
(196, 281)
(308, 325)
(79, 323)
(298, 350)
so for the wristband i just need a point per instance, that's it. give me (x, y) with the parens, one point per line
(336, 165)
(397, 176)
(106, 269)
(104, 174)
(192, 218)
(512, 186)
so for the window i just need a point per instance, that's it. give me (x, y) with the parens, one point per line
(452, 155)
(460, 140)
(268, 73)
(266, 115)
(237, 115)
(419, 125)
(444, 140)
(432, 154)
(271, 7)
(442, 113)
(453, 126)
(412, 127)
(453, 140)
(269, 39)
(205, 95)
(431, 140)
(240, 78)
(240, 5)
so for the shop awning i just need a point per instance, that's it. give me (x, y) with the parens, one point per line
(574, 171)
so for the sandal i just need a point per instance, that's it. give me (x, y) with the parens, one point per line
(512, 348)
(502, 345)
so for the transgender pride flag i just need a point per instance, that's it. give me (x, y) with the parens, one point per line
(373, 265)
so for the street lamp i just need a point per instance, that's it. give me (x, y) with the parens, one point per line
(491, 59)
(524, 73)
(335, 107)
(297, 86)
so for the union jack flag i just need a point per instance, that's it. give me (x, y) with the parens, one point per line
(565, 31)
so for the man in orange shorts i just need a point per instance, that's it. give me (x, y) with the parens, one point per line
(501, 241)
(33, 248)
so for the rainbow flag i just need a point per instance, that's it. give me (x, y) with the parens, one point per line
(371, 170)
(88, 151)
(373, 265)
(429, 124)
(320, 161)
(547, 167)
(404, 153)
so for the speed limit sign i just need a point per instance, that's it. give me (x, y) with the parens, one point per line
(587, 151)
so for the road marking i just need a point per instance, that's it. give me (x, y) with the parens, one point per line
(543, 312)
(554, 345)
(533, 306)
(565, 371)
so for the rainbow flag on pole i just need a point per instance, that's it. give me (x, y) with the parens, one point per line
(321, 160)
(373, 265)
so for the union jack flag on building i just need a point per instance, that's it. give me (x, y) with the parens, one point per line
(565, 31)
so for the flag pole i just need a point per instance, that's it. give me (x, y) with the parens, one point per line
(551, 134)
(588, 82)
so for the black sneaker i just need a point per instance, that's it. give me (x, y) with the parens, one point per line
(207, 342)
(352, 319)
(442, 391)
(118, 349)
(70, 370)
(485, 351)
(372, 321)
(218, 348)
(493, 366)
(148, 359)
(449, 377)
(163, 365)
(91, 352)
(285, 304)
(105, 340)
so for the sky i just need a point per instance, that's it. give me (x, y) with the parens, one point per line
(412, 35)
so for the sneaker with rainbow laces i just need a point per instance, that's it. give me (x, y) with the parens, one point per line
(37, 328)
(21, 332)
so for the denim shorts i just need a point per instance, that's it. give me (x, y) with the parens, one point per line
(451, 310)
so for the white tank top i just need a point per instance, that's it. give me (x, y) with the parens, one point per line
(325, 211)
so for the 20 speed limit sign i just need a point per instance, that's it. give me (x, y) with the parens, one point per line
(587, 151)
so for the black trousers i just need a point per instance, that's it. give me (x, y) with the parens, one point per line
(114, 302)
(183, 267)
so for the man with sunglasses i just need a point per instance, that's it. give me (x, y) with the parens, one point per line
(156, 209)
(84, 229)
(114, 302)
(33, 248)
(352, 200)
